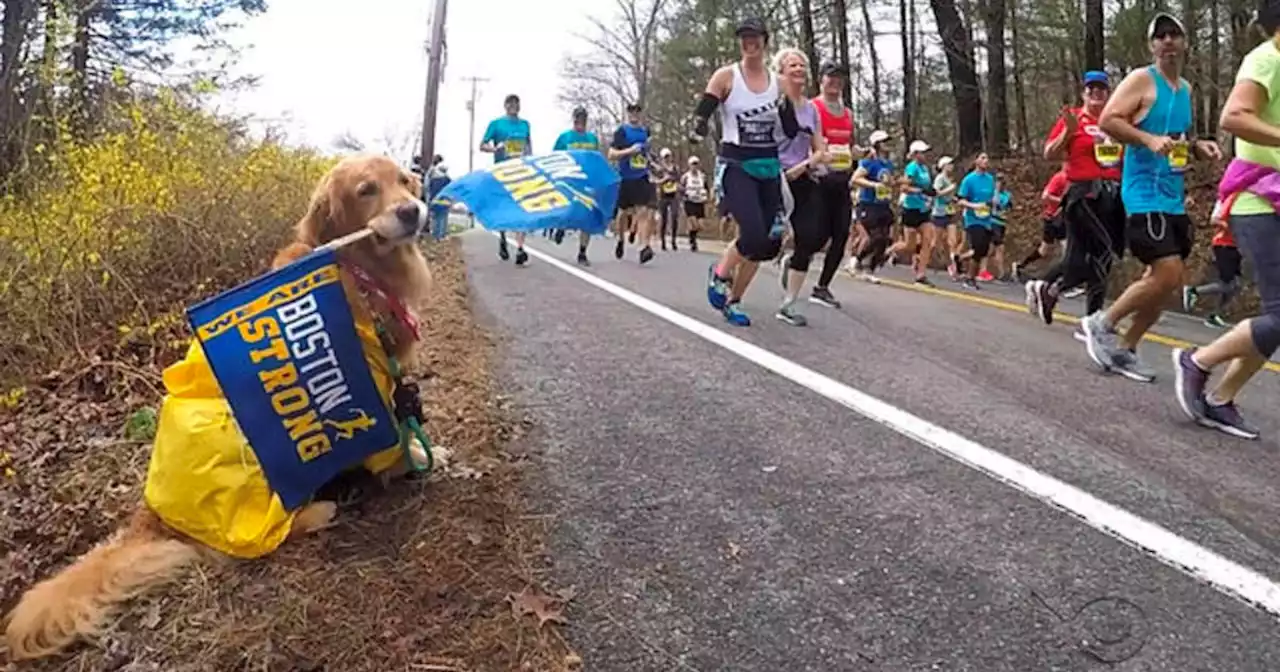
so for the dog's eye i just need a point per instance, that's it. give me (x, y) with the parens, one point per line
(404, 180)
(367, 189)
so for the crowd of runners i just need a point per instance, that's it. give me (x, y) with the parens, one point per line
(791, 181)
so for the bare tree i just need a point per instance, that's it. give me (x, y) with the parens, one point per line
(958, 47)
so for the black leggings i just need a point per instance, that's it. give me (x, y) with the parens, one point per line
(1095, 221)
(877, 219)
(754, 204)
(670, 218)
(822, 214)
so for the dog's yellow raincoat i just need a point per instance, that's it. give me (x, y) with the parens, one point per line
(204, 480)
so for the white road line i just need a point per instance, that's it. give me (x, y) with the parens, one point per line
(1231, 578)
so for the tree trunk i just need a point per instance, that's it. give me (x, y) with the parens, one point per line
(997, 80)
(1019, 93)
(1094, 54)
(908, 75)
(1194, 69)
(840, 28)
(1215, 67)
(876, 110)
(964, 77)
(808, 45)
(17, 17)
(80, 68)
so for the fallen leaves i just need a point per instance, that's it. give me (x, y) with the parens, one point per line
(546, 608)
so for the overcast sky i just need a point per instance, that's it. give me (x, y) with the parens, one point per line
(329, 67)
(334, 66)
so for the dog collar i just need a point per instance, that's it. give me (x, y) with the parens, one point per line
(370, 284)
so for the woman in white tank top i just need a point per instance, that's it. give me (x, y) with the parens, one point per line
(755, 121)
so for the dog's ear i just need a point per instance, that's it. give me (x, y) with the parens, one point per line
(317, 226)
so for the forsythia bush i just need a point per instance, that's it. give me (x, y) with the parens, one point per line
(167, 206)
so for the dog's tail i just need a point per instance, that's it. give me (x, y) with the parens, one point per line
(79, 599)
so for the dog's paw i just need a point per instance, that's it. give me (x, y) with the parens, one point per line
(440, 456)
(314, 517)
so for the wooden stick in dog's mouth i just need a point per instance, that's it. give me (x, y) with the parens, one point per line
(347, 239)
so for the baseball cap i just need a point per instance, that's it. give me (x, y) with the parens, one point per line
(833, 68)
(666, 151)
(918, 146)
(944, 162)
(751, 26)
(694, 159)
(1097, 77)
(877, 136)
(1163, 17)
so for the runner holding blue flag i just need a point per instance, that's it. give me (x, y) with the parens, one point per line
(577, 137)
(508, 137)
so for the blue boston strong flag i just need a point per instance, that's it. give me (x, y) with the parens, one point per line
(286, 355)
(570, 190)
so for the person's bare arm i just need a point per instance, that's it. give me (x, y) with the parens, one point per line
(1125, 104)
(860, 179)
(1242, 115)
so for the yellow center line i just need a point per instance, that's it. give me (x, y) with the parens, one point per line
(1001, 304)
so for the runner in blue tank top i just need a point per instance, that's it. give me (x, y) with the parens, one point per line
(1151, 113)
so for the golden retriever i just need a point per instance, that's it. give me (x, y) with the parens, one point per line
(363, 191)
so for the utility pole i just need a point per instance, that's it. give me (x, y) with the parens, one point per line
(435, 71)
(471, 136)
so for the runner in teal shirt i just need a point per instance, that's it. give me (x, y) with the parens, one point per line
(507, 137)
(578, 138)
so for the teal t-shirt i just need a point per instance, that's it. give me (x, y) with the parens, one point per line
(512, 137)
(978, 187)
(918, 175)
(1004, 201)
(572, 139)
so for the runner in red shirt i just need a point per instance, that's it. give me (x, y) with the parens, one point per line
(1054, 229)
(1091, 208)
(1226, 258)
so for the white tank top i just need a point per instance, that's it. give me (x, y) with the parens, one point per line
(749, 119)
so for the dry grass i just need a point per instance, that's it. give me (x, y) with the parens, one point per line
(416, 578)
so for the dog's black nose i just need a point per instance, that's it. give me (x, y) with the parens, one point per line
(407, 213)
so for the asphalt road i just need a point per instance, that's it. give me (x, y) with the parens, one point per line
(714, 514)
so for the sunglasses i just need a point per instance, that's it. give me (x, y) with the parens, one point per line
(1166, 32)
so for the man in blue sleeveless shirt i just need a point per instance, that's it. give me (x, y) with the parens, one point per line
(1151, 113)
(507, 137)
(636, 195)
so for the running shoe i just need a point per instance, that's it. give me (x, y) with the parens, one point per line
(503, 253)
(617, 250)
(869, 276)
(631, 237)
(969, 283)
(717, 289)
(1099, 343)
(1189, 381)
(1127, 364)
(582, 260)
(646, 255)
(522, 257)
(558, 237)
(985, 276)
(734, 315)
(1039, 294)
(788, 313)
(823, 297)
(1073, 293)
(1215, 320)
(1078, 333)
(1226, 418)
(1189, 298)
(924, 281)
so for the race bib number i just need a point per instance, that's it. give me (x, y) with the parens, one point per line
(883, 192)
(513, 148)
(669, 187)
(1107, 153)
(841, 157)
(982, 211)
(1179, 155)
(639, 162)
